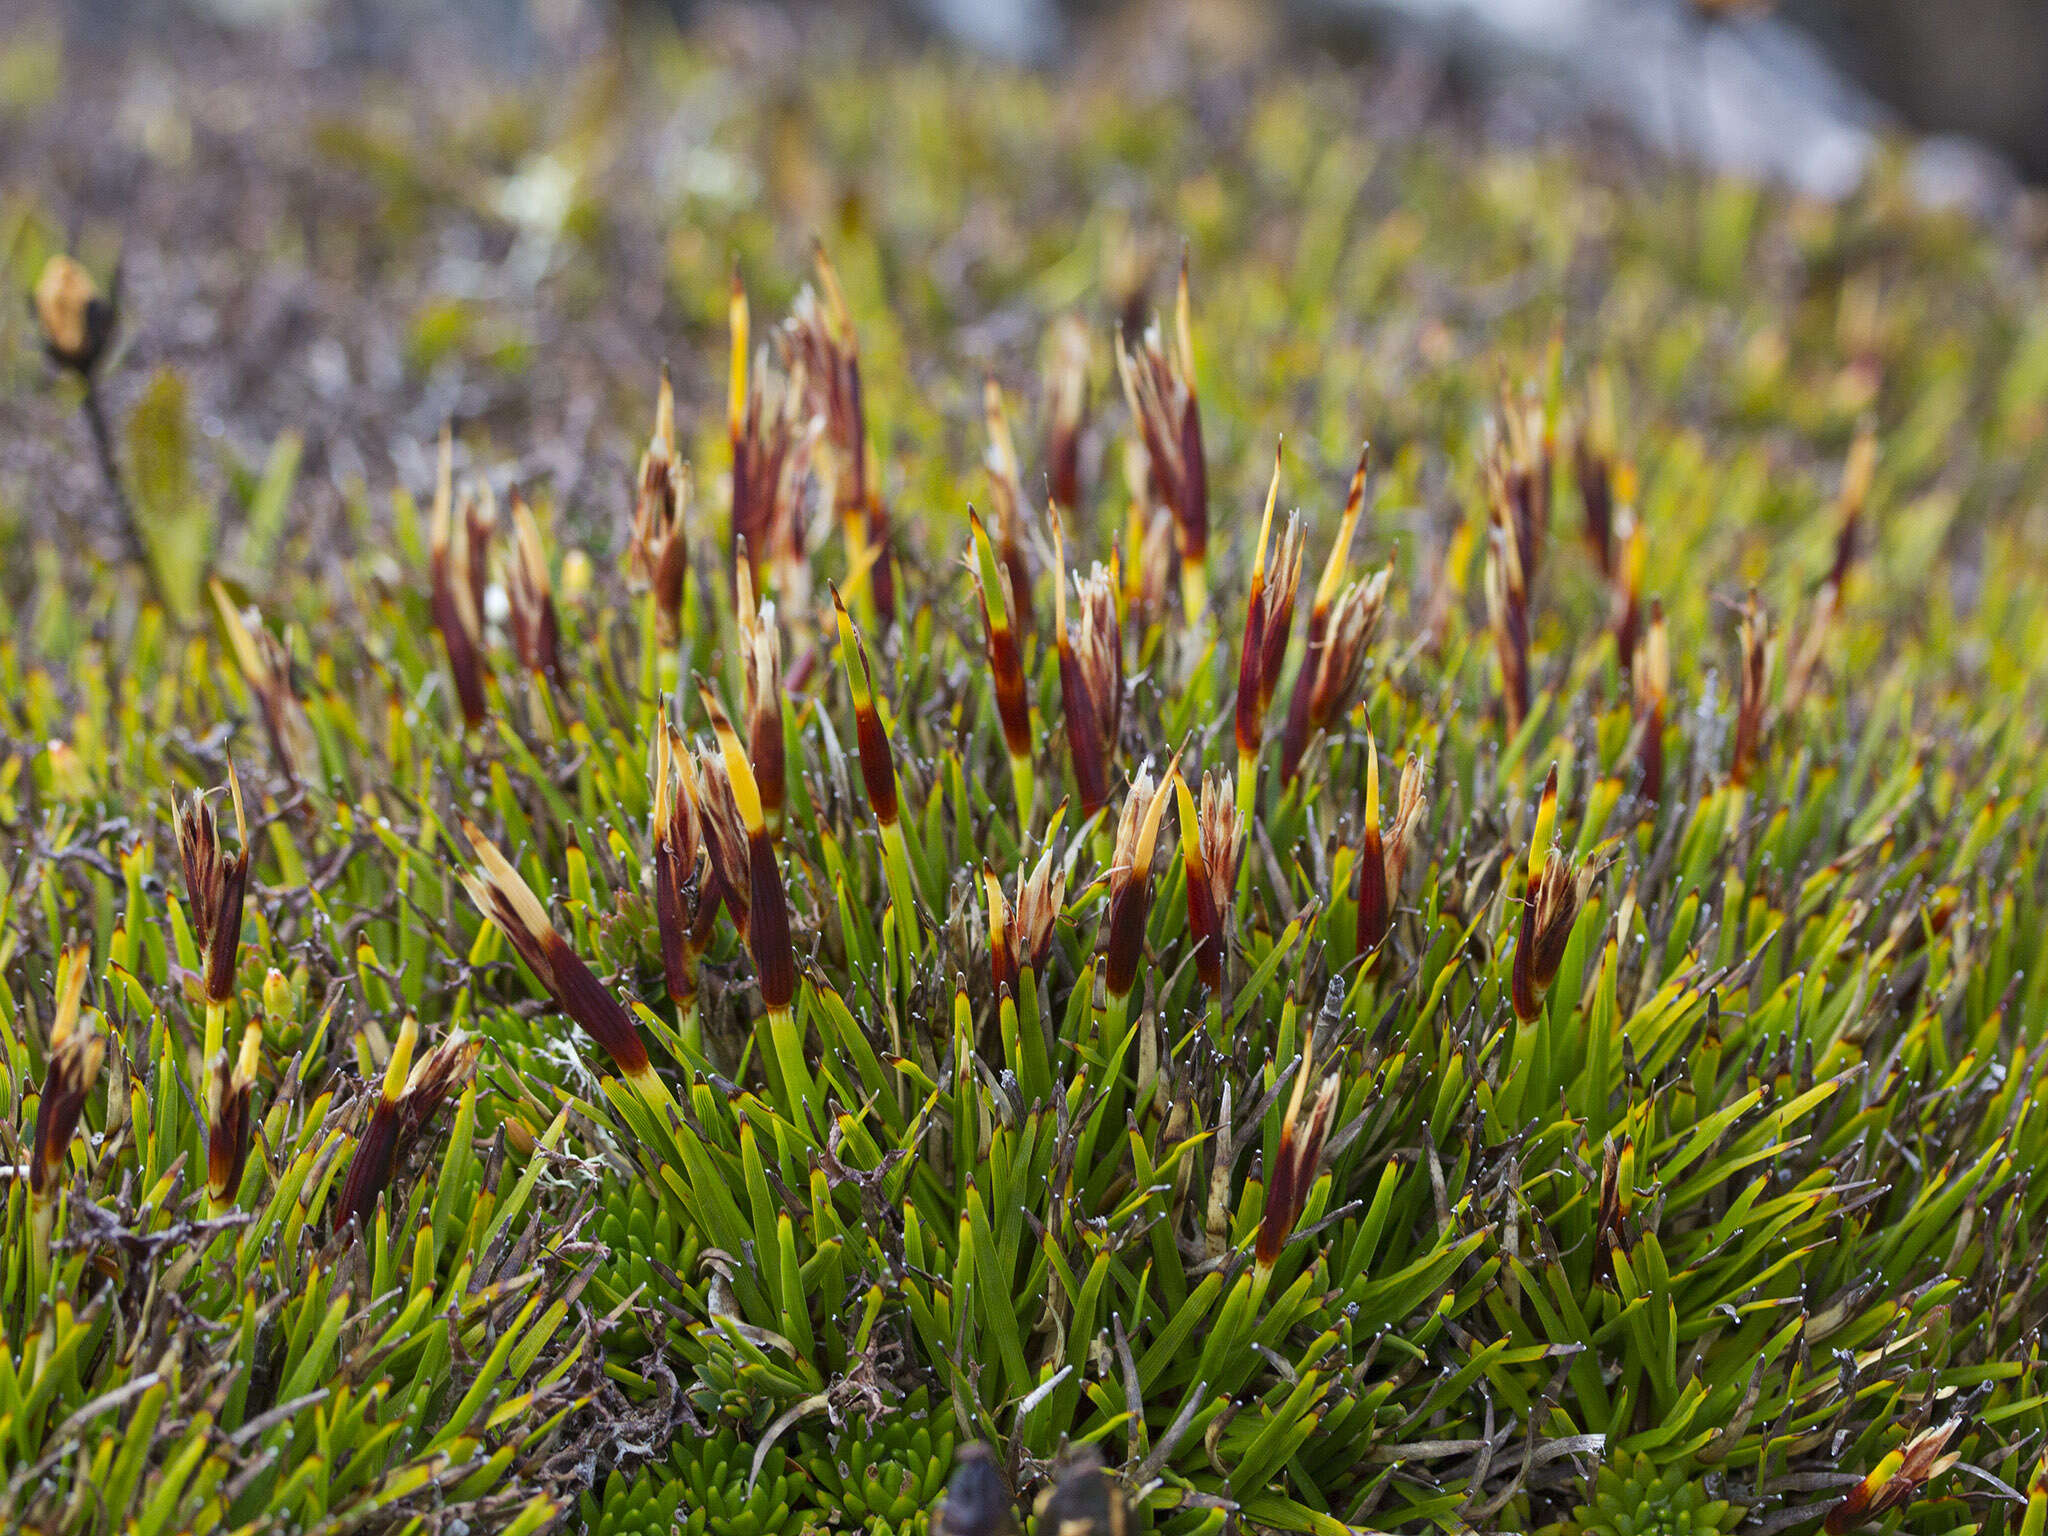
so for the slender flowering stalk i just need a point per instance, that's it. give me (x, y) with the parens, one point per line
(1294, 1166)
(1211, 842)
(1896, 1479)
(1341, 621)
(1091, 674)
(458, 539)
(823, 337)
(1130, 887)
(1006, 487)
(768, 930)
(685, 888)
(657, 558)
(1650, 680)
(536, 633)
(993, 590)
(407, 1099)
(1268, 619)
(878, 773)
(266, 666)
(1160, 388)
(1066, 410)
(1550, 908)
(76, 321)
(228, 1120)
(502, 895)
(215, 883)
(761, 694)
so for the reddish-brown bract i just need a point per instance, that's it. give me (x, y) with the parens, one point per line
(215, 882)
(1130, 881)
(1160, 388)
(1294, 1164)
(1895, 1479)
(1091, 675)
(503, 896)
(658, 556)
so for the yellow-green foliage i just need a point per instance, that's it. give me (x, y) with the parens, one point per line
(1738, 1200)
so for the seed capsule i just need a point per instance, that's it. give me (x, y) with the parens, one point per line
(75, 318)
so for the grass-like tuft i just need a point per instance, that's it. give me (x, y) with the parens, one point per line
(750, 996)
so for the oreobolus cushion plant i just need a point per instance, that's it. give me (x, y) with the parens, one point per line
(1008, 929)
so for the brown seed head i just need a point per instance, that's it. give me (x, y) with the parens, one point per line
(75, 318)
